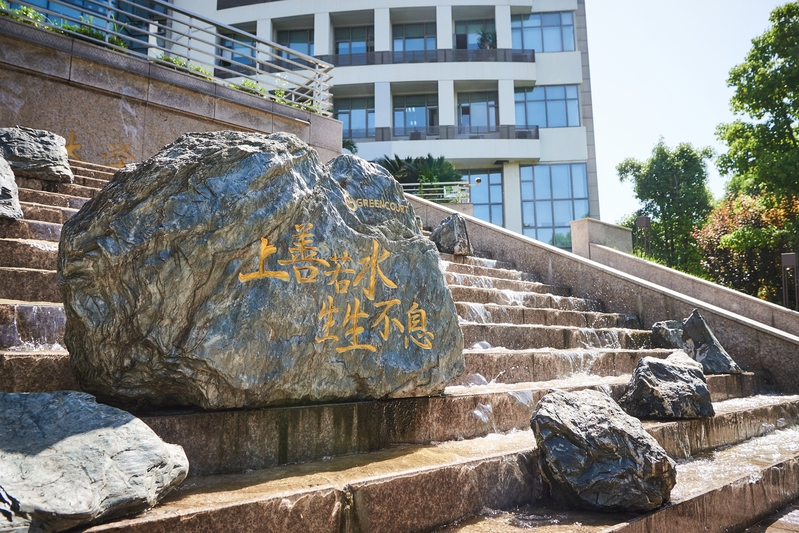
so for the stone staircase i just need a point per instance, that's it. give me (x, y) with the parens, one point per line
(463, 461)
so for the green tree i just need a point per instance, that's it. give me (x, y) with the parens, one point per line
(763, 154)
(420, 169)
(672, 187)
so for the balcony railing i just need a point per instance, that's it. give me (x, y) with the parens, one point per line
(447, 192)
(430, 56)
(443, 132)
(163, 33)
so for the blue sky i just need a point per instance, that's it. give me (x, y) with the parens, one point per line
(660, 68)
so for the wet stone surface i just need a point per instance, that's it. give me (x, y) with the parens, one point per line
(9, 193)
(451, 236)
(702, 345)
(234, 270)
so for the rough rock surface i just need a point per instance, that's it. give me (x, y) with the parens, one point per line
(594, 455)
(451, 236)
(67, 461)
(36, 154)
(668, 334)
(9, 193)
(702, 345)
(233, 270)
(671, 388)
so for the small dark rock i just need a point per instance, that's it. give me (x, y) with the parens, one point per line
(9, 193)
(36, 154)
(702, 346)
(671, 388)
(451, 236)
(594, 455)
(668, 334)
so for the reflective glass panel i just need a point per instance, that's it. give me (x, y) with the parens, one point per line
(543, 212)
(562, 209)
(556, 114)
(542, 190)
(579, 181)
(561, 184)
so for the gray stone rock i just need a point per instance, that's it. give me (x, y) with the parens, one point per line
(36, 154)
(233, 270)
(702, 346)
(66, 461)
(451, 236)
(670, 388)
(594, 455)
(9, 193)
(668, 334)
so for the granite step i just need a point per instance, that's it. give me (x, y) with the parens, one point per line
(503, 273)
(725, 490)
(36, 371)
(515, 314)
(85, 165)
(46, 213)
(468, 280)
(529, 336)
(29, 284)
(73, 189)
(785, 520)
(477, 261)
(31, 325)
(87, 178)
(527, 299)
(54, 199)
(28, 253)
(29, 229)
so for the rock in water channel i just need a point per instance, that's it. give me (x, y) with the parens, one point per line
(451, 236)
(596, 456)
(674, 388)
(702, 345)
(36, 154)
(67, 461)
(9, 193)
(233, 270)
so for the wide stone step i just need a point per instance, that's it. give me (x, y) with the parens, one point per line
(28, 253)
(51, 198)
(469, 280)
(46, 213)
(29, 229)
(31, 326)
(405, 489)
(477, 261)
(88, 178)
(105, 169)
(783, 521)
(525, 299)
(29, 284)
(726, 490)
(36, 371)
(503, 273)
(73, 189)
(520, 337)
(514, 314)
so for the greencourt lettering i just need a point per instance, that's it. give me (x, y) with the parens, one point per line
(381, 204)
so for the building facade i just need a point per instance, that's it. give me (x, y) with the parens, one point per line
(501, 88)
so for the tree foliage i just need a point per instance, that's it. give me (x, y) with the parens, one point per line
(672, 187)
(420, 169)
(763, 155)
(743, 239)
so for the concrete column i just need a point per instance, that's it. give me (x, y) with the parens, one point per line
(507, 111)
(382, 30)
(383, 104)
(322, 34)
(511, 194)
(444, 31)
(446, 102)
(502, 22)
(263, 30)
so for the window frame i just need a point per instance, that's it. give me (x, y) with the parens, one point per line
(369, 110)
(524, 98)
(528, 31)
(430, 110)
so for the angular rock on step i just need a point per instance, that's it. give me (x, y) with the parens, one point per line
(36, 154)
(668, 334)
(702, 346)
(670, 388)
(596, 456)
(234, 270)
(451, 236)
(9, 193)
(67, 461)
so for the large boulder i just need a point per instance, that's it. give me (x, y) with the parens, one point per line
(594, 455)
(451, 236)
(670, 388)
(668, 334)
(9, 193)
(233, 270)
(36, 154)
(67, 461)
(702, 345)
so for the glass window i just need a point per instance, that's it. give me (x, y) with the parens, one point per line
(357, 116)
(474, 34)
(543, 32)
(352, 44)
(477, 112)
(299, 40)
(414, 42)
(486, 196)
(237, 49)
(416, 113)
(551, 106)
(552, 196)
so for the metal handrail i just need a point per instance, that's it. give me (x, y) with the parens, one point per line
(188, 42)
(453, 192)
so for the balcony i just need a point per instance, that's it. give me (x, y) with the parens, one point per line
(430, 56)
(442, 132)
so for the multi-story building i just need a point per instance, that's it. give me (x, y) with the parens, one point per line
(501, 88)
